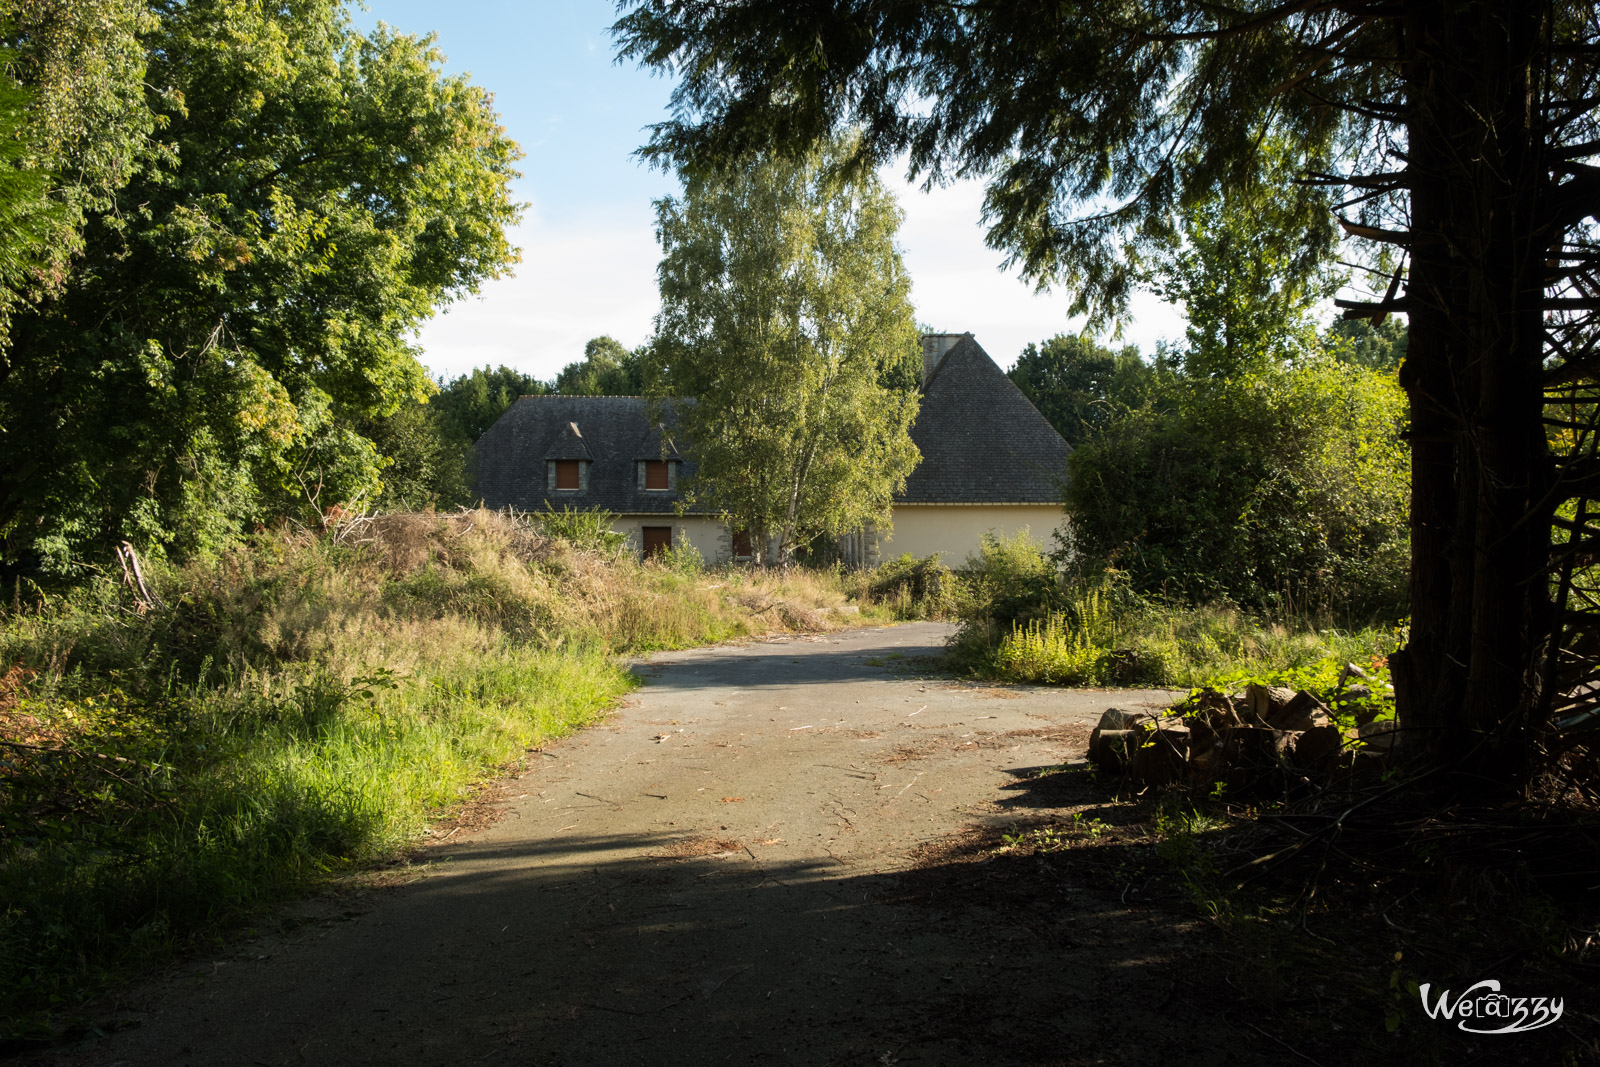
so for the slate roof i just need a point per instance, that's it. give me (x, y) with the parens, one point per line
(611, 431)
(982, 441)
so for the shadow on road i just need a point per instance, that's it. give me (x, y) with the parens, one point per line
(690, 950)
(780, 667)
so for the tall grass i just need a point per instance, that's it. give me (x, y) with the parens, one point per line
(1025, 622)
(300, 706)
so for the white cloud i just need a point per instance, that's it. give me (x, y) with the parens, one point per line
(577, 280)
(585, 276)
(958, 284)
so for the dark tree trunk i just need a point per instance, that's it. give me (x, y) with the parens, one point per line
(1480, 514)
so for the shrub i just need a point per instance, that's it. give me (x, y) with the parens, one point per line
(1283, 490)
(915, 588)
(1012, 580)
(586, 530)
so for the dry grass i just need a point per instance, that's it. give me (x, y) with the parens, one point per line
(302, 705)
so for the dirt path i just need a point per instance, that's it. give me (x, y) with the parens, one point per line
(739, 867)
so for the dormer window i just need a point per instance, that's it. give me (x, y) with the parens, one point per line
(657, 475)
(568, 475)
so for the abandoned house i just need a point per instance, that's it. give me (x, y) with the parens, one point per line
(990, 463)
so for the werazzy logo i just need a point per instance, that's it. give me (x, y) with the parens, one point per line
(1483, 1004)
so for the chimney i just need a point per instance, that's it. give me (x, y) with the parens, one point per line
(934, 348)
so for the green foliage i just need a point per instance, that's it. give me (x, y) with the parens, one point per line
(1023, 622)
(1248, 301)
(426, 445)
(1011, 579)
(1071, 116)
(785, 309)
(467, 406)
(914, 588)
(608, 369)
(1079, 386)
(424, 463)
(1359, 342)
(1283, 490)
(588, 530)
(1049, 650)
(74, 122)
(27, 217)
(243, 303)
(682, 558)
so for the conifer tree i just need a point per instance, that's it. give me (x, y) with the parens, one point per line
(1458, 135)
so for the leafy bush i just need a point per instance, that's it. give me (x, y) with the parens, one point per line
(1011, 580)
(915, 588)
(1283, 490)
(588, 530)
(682, 558)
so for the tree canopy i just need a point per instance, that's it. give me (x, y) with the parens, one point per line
(73, 124)
(1079, 385)
(243, 304)
(1458, 133)
(607, 369)
(786, 317)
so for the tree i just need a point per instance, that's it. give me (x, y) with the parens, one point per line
(426, 445)
(73, 123)
(1364, 343)
(468, 405)
(1464, 128)
(608, 369)
(1248, 303)
(1078, 385)
(785, 309)
(1257, 468)
(242, 305)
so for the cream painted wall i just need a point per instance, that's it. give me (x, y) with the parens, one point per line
(951, 530)
(954, 530)
(710, 538)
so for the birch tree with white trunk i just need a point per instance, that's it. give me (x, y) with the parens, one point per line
(786, 316)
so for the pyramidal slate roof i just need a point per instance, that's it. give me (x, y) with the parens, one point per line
(982, 441)
(612, 432)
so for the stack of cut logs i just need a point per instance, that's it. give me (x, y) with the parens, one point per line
(1267, 739)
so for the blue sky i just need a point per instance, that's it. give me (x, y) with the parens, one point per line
(588, 242)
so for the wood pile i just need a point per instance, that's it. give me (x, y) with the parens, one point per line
(1264, 740)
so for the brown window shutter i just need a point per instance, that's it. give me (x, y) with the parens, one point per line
(568, 476)
(741, 543)
(657, 539)
(655, 474)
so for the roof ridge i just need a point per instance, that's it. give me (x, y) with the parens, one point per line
(582, 396)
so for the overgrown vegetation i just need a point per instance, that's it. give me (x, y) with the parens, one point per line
(300, 705)
(1026, 620)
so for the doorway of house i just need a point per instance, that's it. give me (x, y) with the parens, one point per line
(657, 539)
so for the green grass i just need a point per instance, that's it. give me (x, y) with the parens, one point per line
(1022, 623)
(297, 709)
